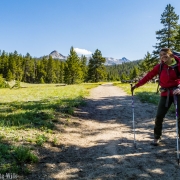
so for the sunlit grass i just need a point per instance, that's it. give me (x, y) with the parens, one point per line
(34, 106)
(28, 115)
(36, 93)
(149, 87)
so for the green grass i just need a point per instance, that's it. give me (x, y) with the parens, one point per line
(35, 106)
(41, 139)
(13, 158)
(28, 117)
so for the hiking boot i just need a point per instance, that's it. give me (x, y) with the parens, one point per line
(155, 142)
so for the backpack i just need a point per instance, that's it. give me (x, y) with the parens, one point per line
(176, 53)
(175, 68)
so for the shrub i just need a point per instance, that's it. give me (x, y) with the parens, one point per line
(3, 83)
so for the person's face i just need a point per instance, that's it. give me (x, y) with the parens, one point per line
(165, 57)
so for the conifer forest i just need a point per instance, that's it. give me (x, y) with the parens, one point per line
(75, 69)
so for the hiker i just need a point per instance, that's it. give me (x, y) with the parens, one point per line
(170, 85)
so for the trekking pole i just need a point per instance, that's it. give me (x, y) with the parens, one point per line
(133, 117)
(177, 133)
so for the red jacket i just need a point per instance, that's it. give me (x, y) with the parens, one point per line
(168, 76)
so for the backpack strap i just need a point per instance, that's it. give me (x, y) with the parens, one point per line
(175, 67)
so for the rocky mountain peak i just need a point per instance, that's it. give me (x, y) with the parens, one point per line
(56, 55)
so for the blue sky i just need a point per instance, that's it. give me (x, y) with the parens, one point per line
(118, 28)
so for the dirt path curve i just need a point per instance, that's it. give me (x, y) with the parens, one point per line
(99, 142)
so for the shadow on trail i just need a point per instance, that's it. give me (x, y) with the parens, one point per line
(124, 162)
(115, 158)
(116, 109)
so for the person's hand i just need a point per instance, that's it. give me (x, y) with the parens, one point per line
(176, 91)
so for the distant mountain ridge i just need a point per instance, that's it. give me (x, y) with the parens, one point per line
(113, 61)
(56, 55)
(109, 60)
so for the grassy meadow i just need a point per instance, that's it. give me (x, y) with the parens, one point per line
(28, 116)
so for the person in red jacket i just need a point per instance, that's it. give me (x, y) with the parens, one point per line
(170, 85)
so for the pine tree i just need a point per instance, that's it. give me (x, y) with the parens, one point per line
(148, 63)
(134, 73)
(12, 67)
(123, 77)
(19, 70)
(72, 70)
(84, 68)
(29, 67)
(51, 76)
(9, 76)
(3, 83)
(177, 40)
(41, 70)
(96, 68)
(4, 64)
(166, 36)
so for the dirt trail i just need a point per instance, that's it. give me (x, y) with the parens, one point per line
(99, 142)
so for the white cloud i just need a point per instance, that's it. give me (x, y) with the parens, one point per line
(82, 51)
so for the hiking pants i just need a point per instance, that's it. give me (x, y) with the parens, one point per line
(161, 112)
